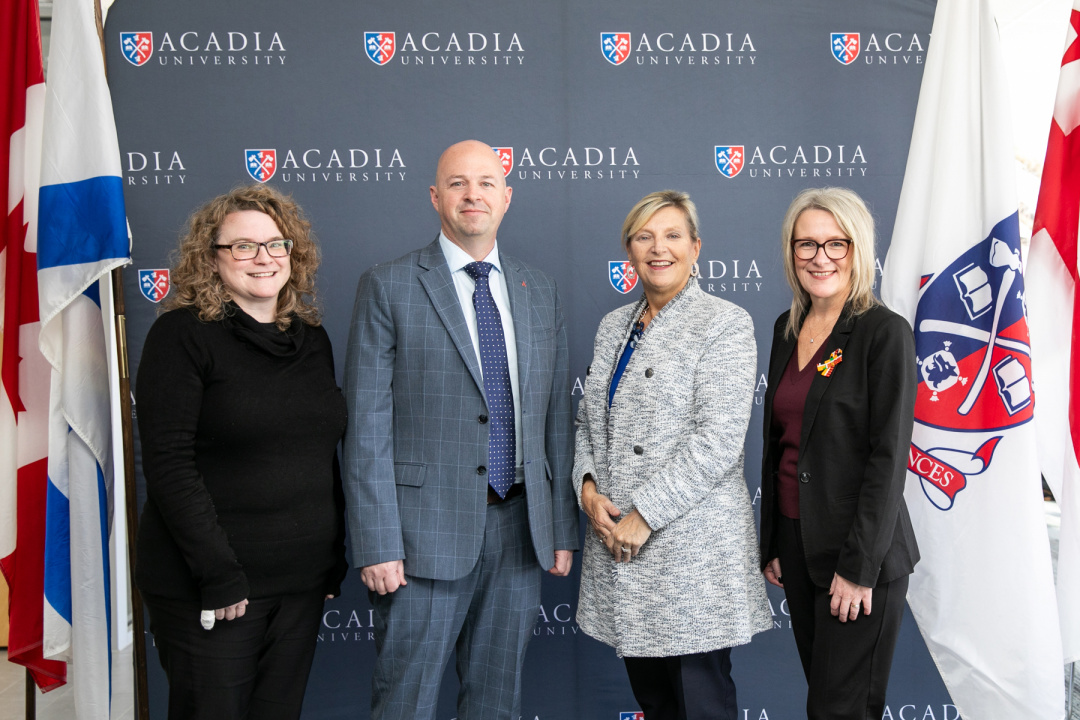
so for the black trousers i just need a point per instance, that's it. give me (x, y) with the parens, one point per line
(684, 687)
(253, 667)
(846, 664)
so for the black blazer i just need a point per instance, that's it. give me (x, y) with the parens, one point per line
(853, 451)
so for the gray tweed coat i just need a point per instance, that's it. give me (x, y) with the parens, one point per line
(672, 447)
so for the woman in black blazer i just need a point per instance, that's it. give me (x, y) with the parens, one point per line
(835, 531)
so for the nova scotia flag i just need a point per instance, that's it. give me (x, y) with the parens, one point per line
(82, 236)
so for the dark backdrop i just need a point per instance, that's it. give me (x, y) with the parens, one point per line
(356, 142)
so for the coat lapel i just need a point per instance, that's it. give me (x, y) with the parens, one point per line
(439, 285)
(609, 352)
(777, 364)
(784, 347)
(520, 315)
(837, 340)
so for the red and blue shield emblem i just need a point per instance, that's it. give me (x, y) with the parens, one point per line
(506, 157)
(632, 715)
(261, 164)
(729, 159)
(380, 46)
(615, 46)
(973, 353)
(845, 47)
(154, 284)
(622, 275)
(137, 47)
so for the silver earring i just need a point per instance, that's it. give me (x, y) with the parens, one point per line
(695, 271)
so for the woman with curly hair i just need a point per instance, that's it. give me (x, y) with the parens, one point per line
(239, 419)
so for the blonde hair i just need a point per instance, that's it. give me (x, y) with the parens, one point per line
(853, 217)
(652, 203)
(196, 283)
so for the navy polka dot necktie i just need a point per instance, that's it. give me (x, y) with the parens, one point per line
(496, 369)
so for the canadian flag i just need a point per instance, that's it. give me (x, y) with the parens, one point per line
(1054, 320)
(24, 400)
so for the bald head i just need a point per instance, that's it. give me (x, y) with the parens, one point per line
(469, 151)
(470, 195)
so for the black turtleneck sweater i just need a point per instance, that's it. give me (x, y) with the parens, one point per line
(239, 424)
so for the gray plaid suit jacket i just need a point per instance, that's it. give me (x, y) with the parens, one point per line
(416, 436)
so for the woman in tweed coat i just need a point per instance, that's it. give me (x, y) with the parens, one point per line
(670, 574)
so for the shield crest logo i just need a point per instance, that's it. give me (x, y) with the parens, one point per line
(261, 164)
(506, 157)
(622, 275)
(615, 46)
(729, 159)
(973, 355)
(845, 47)
(971, 338)
(154, 284)
(380, 46)
(137, 47)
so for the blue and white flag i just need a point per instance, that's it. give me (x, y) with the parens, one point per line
(82, 236)
(983, 593)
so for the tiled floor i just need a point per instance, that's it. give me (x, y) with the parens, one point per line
(59, 704)
(1053, 526)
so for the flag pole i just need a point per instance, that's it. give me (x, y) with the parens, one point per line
(142, 700)
(31, 697)
(1072, 679)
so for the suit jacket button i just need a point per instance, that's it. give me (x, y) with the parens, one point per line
(638, 450)
(483, 419)
(804, 477)
(588, 370)
(648, 372)
(481, 470)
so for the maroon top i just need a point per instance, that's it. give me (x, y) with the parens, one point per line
(788, 405)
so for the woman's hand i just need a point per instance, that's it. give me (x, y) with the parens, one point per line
(772, 573)
(232, 612)
(848, 599)
(601, 511)
(628, 537)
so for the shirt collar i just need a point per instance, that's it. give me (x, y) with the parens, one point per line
(457, 258)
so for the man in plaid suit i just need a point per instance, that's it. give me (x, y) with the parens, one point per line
(451, 561)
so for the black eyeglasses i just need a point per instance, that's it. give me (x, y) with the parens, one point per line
(249, 249)
(808, 249)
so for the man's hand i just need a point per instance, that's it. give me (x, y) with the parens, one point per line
(385, 577)
(564, 560)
